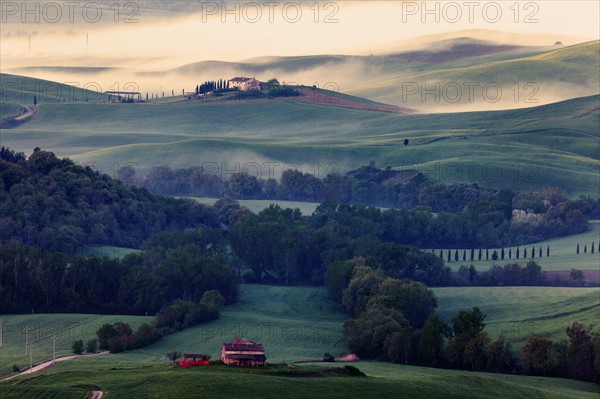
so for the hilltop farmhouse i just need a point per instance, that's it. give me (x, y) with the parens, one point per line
(245, 84)
(243, 352)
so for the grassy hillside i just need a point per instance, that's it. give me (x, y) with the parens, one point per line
(21, 90)
(518, 312)
(559, 72)
(555, 144)
(294, 323)
(8, 108)
(382, 381)
(41, 328)
(299, 323)
(563, 253)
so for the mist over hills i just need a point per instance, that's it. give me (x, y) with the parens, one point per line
(437, 74)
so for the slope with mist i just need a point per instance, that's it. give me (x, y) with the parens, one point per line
(555, 144)
(543, 73)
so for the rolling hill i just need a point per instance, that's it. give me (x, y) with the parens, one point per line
(299, 323)
(555, 144)
(436, 74)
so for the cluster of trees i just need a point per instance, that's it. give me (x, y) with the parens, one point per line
(294, 249)
(120, 337)
(452, 216)
(277, 89)
(299, 249)
(388, 313)
(394, 320)
(172, 266)
(577, 357)
(510, 274)
(59, 206)
(213, 85)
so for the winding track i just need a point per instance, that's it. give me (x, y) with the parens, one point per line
(50, 363)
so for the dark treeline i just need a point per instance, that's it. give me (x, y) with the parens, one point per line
(57, 205)
(282, 246)
(512, 274)
(466, 214)
(395, 320)
(173, 266)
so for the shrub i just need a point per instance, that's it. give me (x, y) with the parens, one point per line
(328, 357)
(116, 345)
(105, 333)
(145, 335)
(354, 371)
(173, 356)
(91, 346)
(77, 347)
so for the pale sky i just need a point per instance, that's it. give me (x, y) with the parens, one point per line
(210, 31)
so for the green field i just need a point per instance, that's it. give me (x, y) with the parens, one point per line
(518, 312)
(561, 71)
(41, 328)
(301, 323)
(524, 149)
(563, 253)
(217, 381)
(296, 323)
(101, 251)
(9, 109)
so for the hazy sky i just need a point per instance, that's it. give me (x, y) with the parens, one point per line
(241, 30)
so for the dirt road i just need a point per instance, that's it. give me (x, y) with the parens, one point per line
(49, 364)
(27, 112)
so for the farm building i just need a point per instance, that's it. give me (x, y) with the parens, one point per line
(194, 359)
(243, 352)
(245, 84)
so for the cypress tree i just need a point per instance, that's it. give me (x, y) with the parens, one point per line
(577, 248)
(540, 254)
(592, 246)
(479, 254)
(456, 256)
(495, 255)
(518, 250)
(449, 256)
(532, 252)
(548, 251)
(502, 254)
(585, 249)
(509, 253)
(487, 254)
(525, 253)
(472, 254)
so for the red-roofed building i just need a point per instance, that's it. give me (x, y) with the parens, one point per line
(243, 352)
